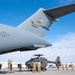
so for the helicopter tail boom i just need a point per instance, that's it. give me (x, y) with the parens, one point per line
(57, 61)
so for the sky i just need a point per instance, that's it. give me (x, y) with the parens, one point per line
(61, 34)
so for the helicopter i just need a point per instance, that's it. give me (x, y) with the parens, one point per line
(43, 62)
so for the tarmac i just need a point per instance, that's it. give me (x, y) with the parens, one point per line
(51, 71)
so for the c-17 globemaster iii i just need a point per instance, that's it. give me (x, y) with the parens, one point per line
(29, 34)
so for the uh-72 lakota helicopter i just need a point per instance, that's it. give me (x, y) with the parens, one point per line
(43, 62)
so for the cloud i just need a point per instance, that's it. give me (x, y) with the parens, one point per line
(63, 47)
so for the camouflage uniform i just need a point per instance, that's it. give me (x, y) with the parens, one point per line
(39, 66)
(34, 66)
(0, 66)
(72, 66)
(20, 66)
(9, 64)
(63, 66)
(66, 67)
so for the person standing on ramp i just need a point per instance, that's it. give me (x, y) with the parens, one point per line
(39, 66)
(34, 66)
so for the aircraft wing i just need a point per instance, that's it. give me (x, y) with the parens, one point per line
(60, 11)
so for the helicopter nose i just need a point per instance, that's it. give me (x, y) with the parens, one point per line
(27, 63)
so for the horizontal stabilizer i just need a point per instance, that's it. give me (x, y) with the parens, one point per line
(60, 11)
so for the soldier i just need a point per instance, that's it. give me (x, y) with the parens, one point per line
(20, 66)
(0, 66)
(39, 66)
(63, 66)
(9, 64)
(72, 67)
(66, 67)
(34, 66)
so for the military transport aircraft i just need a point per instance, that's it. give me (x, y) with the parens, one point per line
(28, 35)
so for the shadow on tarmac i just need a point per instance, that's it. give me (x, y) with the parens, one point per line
(13, 71)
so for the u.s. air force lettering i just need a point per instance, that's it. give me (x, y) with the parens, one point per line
(4, 34)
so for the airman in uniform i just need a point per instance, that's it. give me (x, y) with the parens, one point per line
(34, 66)
(66, 66)
(63, 66)
(0, 66)
(39, 66)
(20, 66)
(72, 67)
(9, 64)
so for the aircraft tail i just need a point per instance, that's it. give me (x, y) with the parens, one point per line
(38, 23)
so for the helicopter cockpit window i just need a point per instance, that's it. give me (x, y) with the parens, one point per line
(30, 60)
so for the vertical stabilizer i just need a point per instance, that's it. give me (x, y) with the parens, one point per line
(38, 23)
